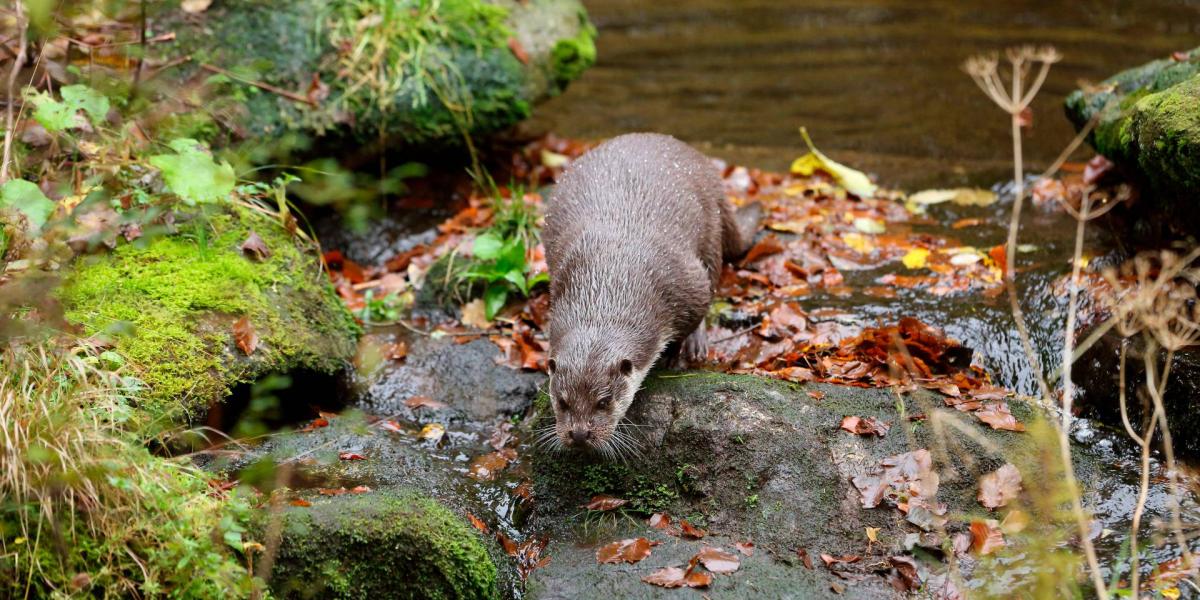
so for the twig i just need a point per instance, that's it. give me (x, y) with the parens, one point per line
(10, 120)
(258, 84)
(736, 334)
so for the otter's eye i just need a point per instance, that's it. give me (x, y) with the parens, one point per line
(604, 403)
(562, 405)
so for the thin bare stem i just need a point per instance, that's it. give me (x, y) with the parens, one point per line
(18, 63)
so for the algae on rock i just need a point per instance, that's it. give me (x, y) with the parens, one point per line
(169, 305)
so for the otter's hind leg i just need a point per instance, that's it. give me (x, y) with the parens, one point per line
(691, 351)
(738, 228)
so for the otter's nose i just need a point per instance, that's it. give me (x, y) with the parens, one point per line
(579, 435)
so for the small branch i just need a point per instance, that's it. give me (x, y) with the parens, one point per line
(258, 84)
(10, 119)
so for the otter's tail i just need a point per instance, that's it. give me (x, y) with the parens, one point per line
(738, 228)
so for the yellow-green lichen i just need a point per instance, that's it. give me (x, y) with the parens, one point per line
(171, 303)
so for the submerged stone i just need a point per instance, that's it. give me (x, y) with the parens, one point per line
(1149, 124)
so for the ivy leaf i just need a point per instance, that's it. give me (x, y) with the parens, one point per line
(28, 199)
(193, 175)
(494, 299)
(487, 246)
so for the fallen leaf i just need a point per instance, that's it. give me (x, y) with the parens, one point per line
(674, 577)
(602, 502)
(255, 247)
(1014, 522)
(805, 558)
(865, 426)
(689, 531)
(765, 247)
(915, 258)
(315, 424)
(718, 561)
(300, 502)
(628, 551)
(999, 487)
(816, 395)
(872, 535)
(518, 50)
(905, 577)
(433, 432)
(487, 466)
(998, 416)
(844, 559)
(416, 402)
(746, 548)
(392, 426)
(359, 489)
(351, 456)
(195, 6)
(868, 225)
(660, 521)
(477, 523)
(855, 182)
(474, 314)
(509, 546)
(967, 222)
(905, 475)
(245, 336)
(960, 196)
(986, 536)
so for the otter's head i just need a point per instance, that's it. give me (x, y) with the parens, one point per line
(591, 387)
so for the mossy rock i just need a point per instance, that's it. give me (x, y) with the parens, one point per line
(382, 544)
(408, 71)
(169, 303)
(1149, 123)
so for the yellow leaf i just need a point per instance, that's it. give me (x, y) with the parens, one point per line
(915, 258)
(855, 182)
(474, 314)
(859, 242)
(554, 160)
(1171, 592)
(960, 196)
(867, 225)
(873, 535)
(432, 431)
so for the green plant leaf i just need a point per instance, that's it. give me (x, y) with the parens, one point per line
(542, 277)
(494, 298)
(517, 278)
(28, 199)
(81, 97)
(50, 113)
(512, 256)
(193, 175)
(487, 246)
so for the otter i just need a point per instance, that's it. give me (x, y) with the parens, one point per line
(635, 234)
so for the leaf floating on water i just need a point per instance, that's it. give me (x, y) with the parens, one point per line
(718, 561)
(477, 523)
(628, 551)
(245, 336)
(959, 196)
(488, 466)
(865, 426)
(855, 182)
(392, 426)
(999, 487)
(690, 531)
(986, 537)
(603, 503)
(433, 432)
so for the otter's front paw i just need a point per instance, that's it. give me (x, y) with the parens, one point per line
(693, 352)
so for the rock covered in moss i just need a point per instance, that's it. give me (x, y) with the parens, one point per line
(382, 544)
(1149, 123)
(410, 70)
(171, 305)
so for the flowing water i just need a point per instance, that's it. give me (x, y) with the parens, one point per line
(877, 82)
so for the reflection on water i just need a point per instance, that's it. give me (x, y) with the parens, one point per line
(877, 81)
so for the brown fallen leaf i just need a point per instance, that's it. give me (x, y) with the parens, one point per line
(396, 351)
(904, 576)
(865, 426)
(998, 416)
(690, 531)
(999, 487)
(986, 537)
(359, 489)
(844, 559)
(628, 551)
(245, 336)
(477, 523)
(392, 426)
(765, 247)
(718, 561)
(805, 558)
(300, 502)
(509, 546)
(603, 503)
(674, 577)
(255, 247)
(660, 521)
(351, 456)
(487, 466)
(333, 491)
(817, 395)
(416, 402)
(746, 548)
(518, 50)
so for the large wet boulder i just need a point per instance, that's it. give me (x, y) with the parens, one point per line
(195, 315)
(408, 71)
(1149, 123)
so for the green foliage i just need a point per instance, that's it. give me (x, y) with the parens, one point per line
(86, 510)
(645, 495)
(58, 116)
(385, 310)
(193, 175)
(26, 198)
(572, 56)
(499, 256)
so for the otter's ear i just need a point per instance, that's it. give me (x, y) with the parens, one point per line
(626, 367)
(552, 365)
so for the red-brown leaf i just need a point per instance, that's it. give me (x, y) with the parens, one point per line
(487, 466)
(628, 551)
(300, 502)
(746, 548)
(351, 456)
(477, 523)
(999, 487)
(718, 561)
(245, 336)
(998, 417)
(602, 503)
(674, 577)
(509, 546)
(416, 402)
(986, 537)
(518, 50)
(844, 559)
(805, 558)
(359, 489)
(660, 521)
(690, 531)
(315, 424)
(255, 247)
(766, 247)
(865, 426)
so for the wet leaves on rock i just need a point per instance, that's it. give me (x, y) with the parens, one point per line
(865, 426)
(999, 487)
(604, 503)
(627, 551)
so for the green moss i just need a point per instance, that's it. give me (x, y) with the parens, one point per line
(178, 301)
(572, 56)
(381, 544)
